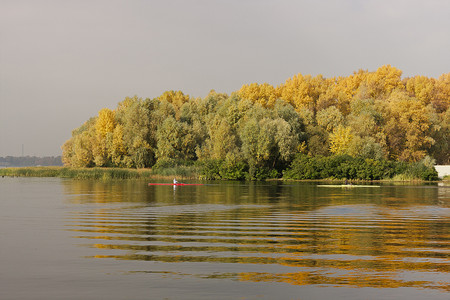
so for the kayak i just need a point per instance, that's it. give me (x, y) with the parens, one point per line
(175, 184)
(347, 185)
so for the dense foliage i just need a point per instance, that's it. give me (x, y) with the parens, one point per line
(347, 167)
(259, 130)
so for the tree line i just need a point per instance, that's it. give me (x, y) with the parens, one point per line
(28, 161)
(262, 129)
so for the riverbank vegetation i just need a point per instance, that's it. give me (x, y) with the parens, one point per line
(368, 125)
(347, 167)
(218, 170)
(77, 173)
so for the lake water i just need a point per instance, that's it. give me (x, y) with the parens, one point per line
(73, 239)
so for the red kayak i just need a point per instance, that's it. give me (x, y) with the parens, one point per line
(176, 184)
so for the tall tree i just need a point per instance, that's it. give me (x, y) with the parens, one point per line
(340, 140)
(264, 94)
(383, 81)
(408, 127)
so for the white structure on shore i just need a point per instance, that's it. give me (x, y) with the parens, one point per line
(442, 170)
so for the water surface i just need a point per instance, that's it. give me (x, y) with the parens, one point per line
(73, 239)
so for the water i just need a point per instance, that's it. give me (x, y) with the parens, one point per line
(72, 239)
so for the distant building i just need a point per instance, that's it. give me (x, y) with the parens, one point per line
(443, 170)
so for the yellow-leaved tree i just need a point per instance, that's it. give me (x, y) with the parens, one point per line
(340, 140)
(422, 88)
(408, 126)
(264, 94)
(441, 100)
(105, 122)
(383, 81)
(303, 92)
(176, 98)
(346, 88)
(102, 140)
(118, 147)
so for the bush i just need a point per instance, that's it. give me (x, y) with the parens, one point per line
(419, 170)
(347, 167)
(264, 173)
(233, 170)
(220, 169)
(210, 169)
(301, 168)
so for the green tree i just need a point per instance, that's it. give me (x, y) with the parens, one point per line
(330, 118)
(138, 134)
(175, 140)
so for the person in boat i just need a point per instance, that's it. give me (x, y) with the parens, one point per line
(175, 181)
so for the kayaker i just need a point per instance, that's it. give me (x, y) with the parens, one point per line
(175, 181)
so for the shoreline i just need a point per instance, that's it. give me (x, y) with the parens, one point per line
(85, 173)
(128, 173)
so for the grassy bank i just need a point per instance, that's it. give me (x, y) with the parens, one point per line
(94, 173)
(168, 172)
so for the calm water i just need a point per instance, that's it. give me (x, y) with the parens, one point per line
(71, 239)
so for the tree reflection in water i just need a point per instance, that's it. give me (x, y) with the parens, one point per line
(393, 236)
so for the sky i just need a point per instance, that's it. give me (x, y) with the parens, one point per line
(62, 61)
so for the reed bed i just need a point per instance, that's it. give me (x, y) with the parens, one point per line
(78, 173)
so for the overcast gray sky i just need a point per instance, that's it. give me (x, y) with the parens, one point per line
(62, 61)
